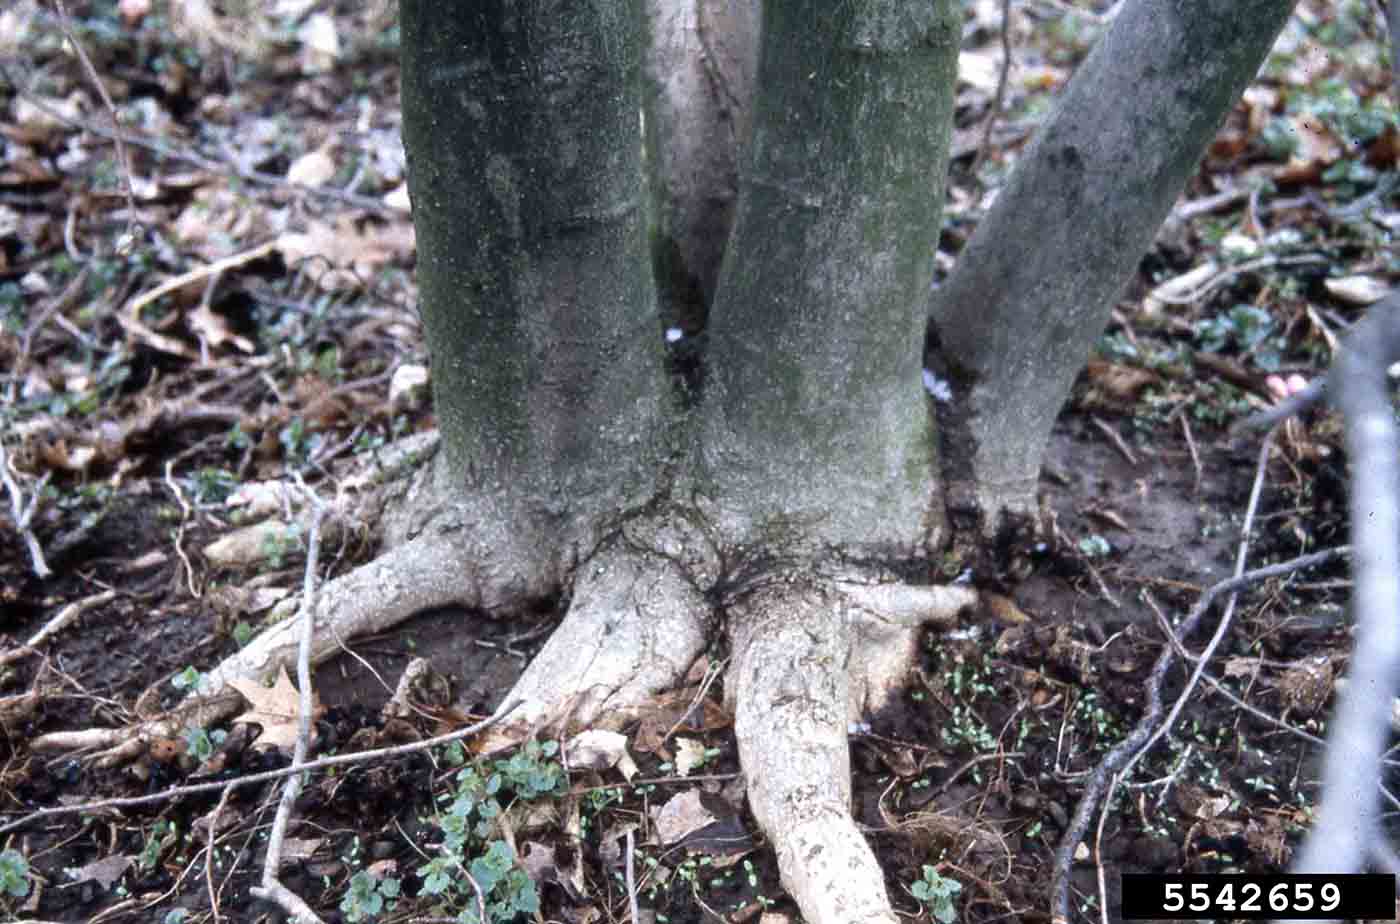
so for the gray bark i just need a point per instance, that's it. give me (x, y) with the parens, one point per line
(532, 270)
(1034, 287)
(700, 77)
(816, 417)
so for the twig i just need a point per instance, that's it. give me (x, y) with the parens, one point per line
(632, 880)
(1115, 439)
(180, 532)
(1294, 404)
(1191, 447)
(984, 149)
(56, 625)
(22, 513)
(338, 760)
(214, 165)
(1230, 272)
(1143, 733)
(209, 852)
(271, 887)
(123, 160)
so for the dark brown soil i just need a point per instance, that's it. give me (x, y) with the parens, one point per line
(976, 774)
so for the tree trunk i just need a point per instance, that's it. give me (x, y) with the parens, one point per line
(700, 78)
(798, 493)
(534, 287)
(817, 417)
(817, 436)
(1033, 289)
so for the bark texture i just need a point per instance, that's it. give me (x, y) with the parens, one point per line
(816, 417)
(1034, 288)
(532, 268)
(700, 68)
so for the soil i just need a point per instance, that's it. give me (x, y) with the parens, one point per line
(144, 417)
(976, 774)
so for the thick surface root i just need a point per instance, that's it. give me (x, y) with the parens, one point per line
(427, 572)
(812, 652)
(791, 717)
(807, 657)
(635, 626)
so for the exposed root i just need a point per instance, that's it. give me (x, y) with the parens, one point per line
(792, 701)
(808, 656)
(635, 626)
(887, 623)
(811, 653)
(427, 572)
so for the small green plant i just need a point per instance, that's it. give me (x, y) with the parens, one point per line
(469, 823)
(201, 744)
(213, 485)
(369, 895)
(164, 835)
(189, 680)
(243, 633)
(276, 545)
(1246, 327)
(936, 893)
(14, 874)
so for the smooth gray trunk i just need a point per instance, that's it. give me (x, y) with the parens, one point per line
(816, 419)
(700, 68)
(521, 126)
(1034, 288)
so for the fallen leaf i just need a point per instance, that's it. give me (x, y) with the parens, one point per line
(313, 169)
(680, 816)
(104, 872)
(275, 708)
(214, 329)
(596, 749)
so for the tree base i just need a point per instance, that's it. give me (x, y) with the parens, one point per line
(815, 646)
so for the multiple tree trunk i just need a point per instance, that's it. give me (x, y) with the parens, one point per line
(793, 483)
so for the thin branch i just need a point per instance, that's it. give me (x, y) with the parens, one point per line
(632, 880)
(123, 160)
(984, 149)
(23, 512)
(214, 165)
(1349, 820)
(1143, 733)
(272, 888)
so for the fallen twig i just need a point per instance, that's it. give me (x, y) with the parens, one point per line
(271, 887)
(1147, 731)
(23, 513)
(61, 621)
(338, 760)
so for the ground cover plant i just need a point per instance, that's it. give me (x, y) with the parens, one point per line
(246, 314)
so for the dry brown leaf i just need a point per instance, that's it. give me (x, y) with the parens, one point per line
(275, 708)
(104, 872)
(1119, 381)
(214, 329)
(683, 814)
(362, 247)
